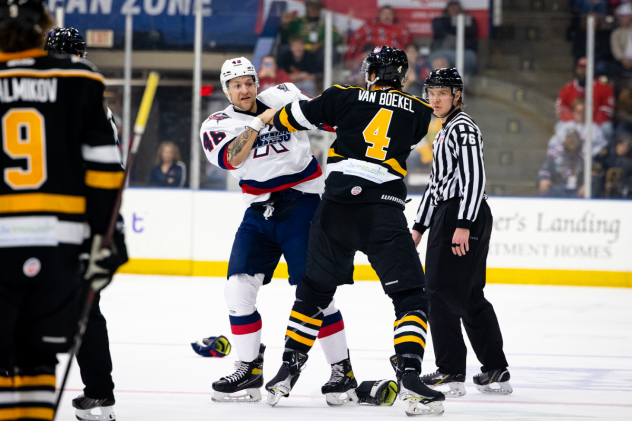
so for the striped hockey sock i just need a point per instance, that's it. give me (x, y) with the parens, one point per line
(410, 333)
(246, 336)
(333, 339)
(27, 397)
(303, 327)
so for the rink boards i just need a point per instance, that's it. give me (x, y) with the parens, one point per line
(534, 241)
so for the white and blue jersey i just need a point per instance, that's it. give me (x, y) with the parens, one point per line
(278, 161)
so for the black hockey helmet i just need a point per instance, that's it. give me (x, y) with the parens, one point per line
(65, 41)
(389, 64)
(444, 78)
(21, 14)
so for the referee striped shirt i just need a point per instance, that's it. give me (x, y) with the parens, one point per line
(458, 170)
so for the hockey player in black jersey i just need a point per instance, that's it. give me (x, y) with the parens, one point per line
(61, 173)
(454, 208)
(94, 359)
(362, 210)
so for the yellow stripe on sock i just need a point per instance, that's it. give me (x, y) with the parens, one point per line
(299, 338)
(22, 381)
(8, 414)
(410, 338)
(306, 319)
(411, 319)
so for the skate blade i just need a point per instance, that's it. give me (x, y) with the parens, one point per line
(250, 396)
(504, 388)
(275, 395)
(106, 414)
(457, 389)
(430, 409)
(340, 399)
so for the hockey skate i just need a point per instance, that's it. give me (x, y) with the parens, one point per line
(248, 377)
(281, 385)
(483, 382)
(93, 409)
(413, 391)
(456, 382)
(340, 389)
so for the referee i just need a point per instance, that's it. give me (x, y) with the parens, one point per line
(454, 207)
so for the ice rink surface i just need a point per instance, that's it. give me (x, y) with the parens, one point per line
(569, 350)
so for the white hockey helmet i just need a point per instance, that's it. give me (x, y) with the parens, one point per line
(237, 67)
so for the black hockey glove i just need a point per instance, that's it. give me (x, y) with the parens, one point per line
(99, 264)
(377, 392)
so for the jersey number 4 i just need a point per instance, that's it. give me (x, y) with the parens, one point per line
(24, 137)
(375, 134)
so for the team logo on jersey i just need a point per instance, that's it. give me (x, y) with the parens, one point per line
(356, 190)
(282, 87)
(441, 137)
(271, 138)
(32, 267)
(219, 116)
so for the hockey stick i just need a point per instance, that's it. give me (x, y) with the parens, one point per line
(139, 129)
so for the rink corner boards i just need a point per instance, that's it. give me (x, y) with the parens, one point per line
(585, 278)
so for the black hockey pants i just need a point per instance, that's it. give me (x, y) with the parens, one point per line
(95, 362)
(454, 285)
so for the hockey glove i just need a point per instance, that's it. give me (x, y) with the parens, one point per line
(98, 266)
(377, 393)
(214, 346)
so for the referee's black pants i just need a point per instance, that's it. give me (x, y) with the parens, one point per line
(95, 362)
(454, 285)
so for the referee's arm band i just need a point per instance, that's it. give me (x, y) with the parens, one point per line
(421, 228)
(463, 223)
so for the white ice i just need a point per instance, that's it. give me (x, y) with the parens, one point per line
(569, 351)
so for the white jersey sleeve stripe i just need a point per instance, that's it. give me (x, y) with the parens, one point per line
(106, 154)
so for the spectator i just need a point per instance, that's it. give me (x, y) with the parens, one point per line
(358, 77)
(619, 173)
(310, 27)
(270, 75)
(562, 174)
(383, 31)
(444, 37)
(169, 170)
(605, 64)
(301, 65)
(578, 125)
(621, 38)
(603, 98)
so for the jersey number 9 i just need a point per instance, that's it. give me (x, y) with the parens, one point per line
(24, 137)
(375, 134)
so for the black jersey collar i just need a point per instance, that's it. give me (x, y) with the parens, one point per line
(451, 117)
(261, 107)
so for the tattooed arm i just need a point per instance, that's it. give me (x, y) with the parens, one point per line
(241, 146)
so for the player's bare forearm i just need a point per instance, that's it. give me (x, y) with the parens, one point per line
(240, 147)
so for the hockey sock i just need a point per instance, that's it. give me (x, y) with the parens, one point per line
(410, 333)
(303, 327)
(246, 336)
(332, 336)
(25, 396)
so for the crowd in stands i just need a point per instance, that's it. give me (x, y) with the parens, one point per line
(562, 173)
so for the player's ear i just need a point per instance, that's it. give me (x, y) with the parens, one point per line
(457, 97)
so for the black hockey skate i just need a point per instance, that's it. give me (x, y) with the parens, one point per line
(340, 389)
(89, 409)
(413, 391)
(456, 382)
(483, 382)
(281, 385)
(248, 377)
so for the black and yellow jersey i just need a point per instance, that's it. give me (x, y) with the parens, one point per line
(376, 131)
(61, 165)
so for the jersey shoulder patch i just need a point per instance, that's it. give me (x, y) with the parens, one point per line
(219, 116)
(282, 87)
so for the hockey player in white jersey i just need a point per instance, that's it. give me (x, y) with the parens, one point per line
(281, 183)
